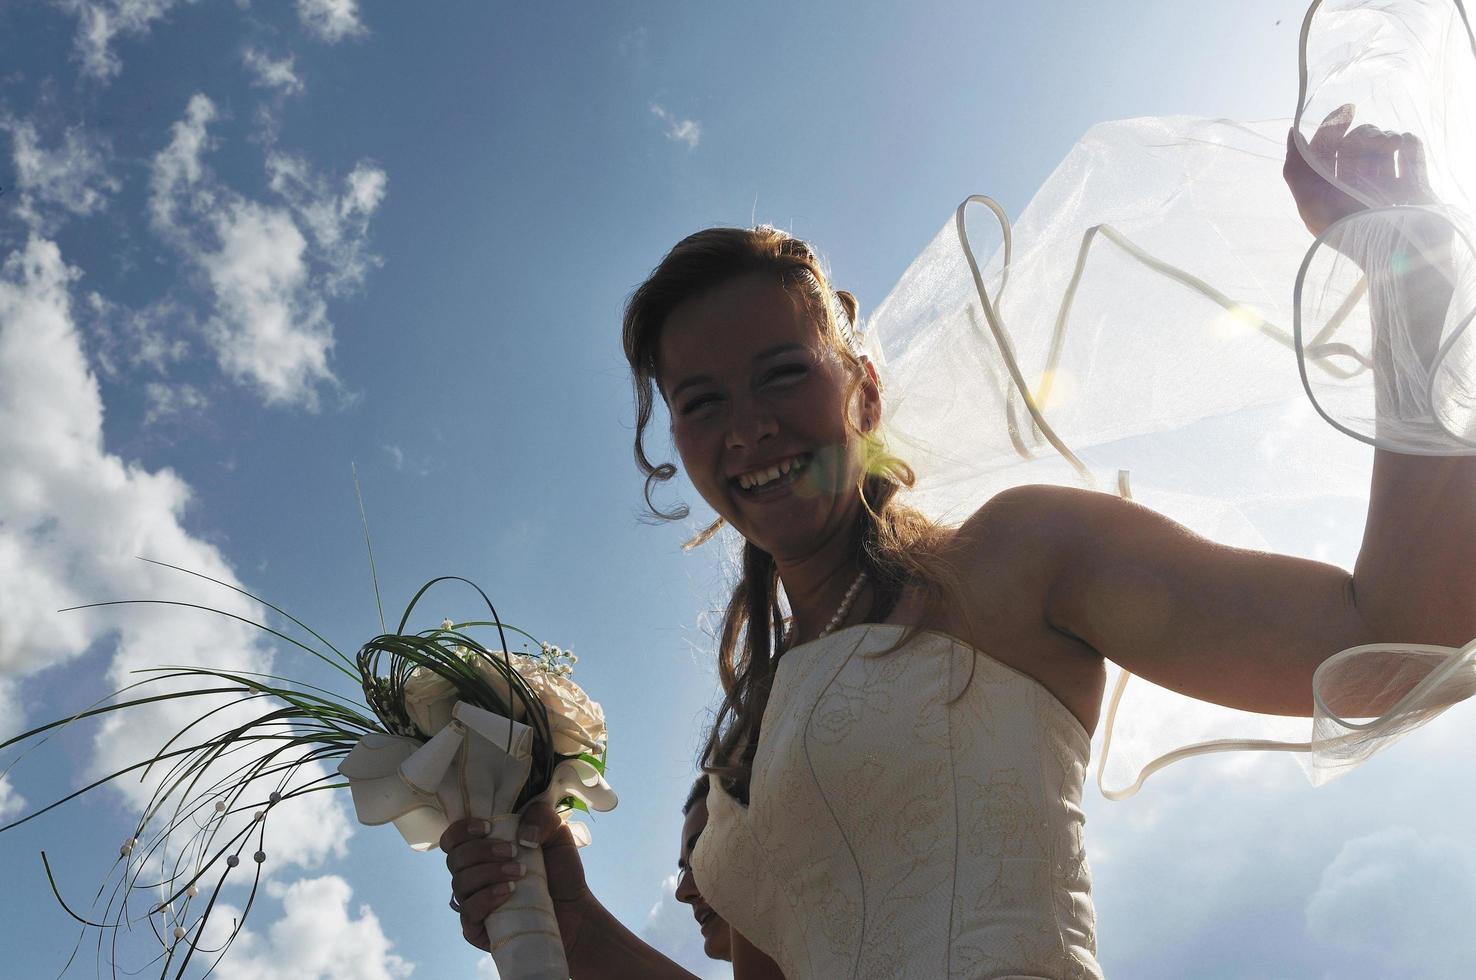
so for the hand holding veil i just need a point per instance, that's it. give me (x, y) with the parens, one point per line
(1157, 310)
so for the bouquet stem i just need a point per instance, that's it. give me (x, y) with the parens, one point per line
(524, 934)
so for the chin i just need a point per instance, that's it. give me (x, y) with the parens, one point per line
(718, 946)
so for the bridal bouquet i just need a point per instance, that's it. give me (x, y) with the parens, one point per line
(447, 728)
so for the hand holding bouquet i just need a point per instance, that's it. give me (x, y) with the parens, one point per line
(481, 727)
(448, 728)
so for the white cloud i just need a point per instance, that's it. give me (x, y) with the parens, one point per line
(338, 221)
(126, 338)
(270, 329)
(177, 170)
(269, 267)
(12, 721)
(69, 178)
(1244, 850)
(50, 430)
(167, 402)
(317, 938)
(75, 517)
(1401, 902)
(11, 802)
(678, 130)
(266, 72)
(408, 462)
(331, 20)
(100, 22)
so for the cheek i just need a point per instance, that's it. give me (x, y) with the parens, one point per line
(694, 455)
(686, 449)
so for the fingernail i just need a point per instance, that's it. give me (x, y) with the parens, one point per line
(480, 828)
(504, 849)
(514, 868)
(527, 837)
(507, 887)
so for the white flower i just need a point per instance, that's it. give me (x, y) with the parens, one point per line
(429, 698)
(576, 722)
(446, 624)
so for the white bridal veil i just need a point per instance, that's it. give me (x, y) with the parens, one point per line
(1157, 322)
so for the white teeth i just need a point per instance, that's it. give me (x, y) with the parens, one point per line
(759, 478)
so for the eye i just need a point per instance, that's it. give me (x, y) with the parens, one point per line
(698, 404)
(786, 374)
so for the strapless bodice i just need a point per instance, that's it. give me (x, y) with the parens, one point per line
(912, 813)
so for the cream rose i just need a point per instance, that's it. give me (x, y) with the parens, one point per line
(576, 722)
(429, 698)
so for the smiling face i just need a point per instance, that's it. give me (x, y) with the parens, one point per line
(759, 397)
(716, 939)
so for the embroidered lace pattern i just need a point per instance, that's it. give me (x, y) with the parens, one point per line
(911, 813)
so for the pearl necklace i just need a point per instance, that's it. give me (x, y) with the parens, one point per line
(845, 605)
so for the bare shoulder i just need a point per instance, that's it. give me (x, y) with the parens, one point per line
(1008, 557)
(1032, 532)
(1035, 515)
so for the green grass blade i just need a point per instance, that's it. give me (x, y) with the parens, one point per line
(255, 598)
(364, 518)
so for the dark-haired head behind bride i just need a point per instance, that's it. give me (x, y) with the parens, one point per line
(900, 751)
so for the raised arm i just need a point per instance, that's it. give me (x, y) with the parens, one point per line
(1245, 628)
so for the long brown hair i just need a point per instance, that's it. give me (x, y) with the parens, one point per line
(898, 544)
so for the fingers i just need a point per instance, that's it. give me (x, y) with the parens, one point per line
(479, 904)
(475, 932)
(539, 825)
(1325, 140)
(1411, 157)
(469, 881)
(462, 831)
(484, 873)
(1370, 157)
(479, 851)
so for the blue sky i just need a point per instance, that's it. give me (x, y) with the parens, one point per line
(247, 245)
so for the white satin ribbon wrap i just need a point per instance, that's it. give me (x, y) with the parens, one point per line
(475, 767)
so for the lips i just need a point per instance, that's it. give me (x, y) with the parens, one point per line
(704, 918)
(769, 476)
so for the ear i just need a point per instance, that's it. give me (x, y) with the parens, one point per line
(868, 398)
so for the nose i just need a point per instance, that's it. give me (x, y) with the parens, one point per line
(686, 889)
(750, 422)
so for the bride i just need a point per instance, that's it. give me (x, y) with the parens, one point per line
(898, 761)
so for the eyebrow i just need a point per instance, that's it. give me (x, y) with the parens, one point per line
(764, 354)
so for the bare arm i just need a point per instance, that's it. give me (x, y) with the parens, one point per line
(596, 944)
(605, 948)
(1245, 628)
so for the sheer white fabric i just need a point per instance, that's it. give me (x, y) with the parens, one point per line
(1159, 308)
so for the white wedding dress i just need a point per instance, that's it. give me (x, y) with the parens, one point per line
(1156, 308)
(912, 814)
